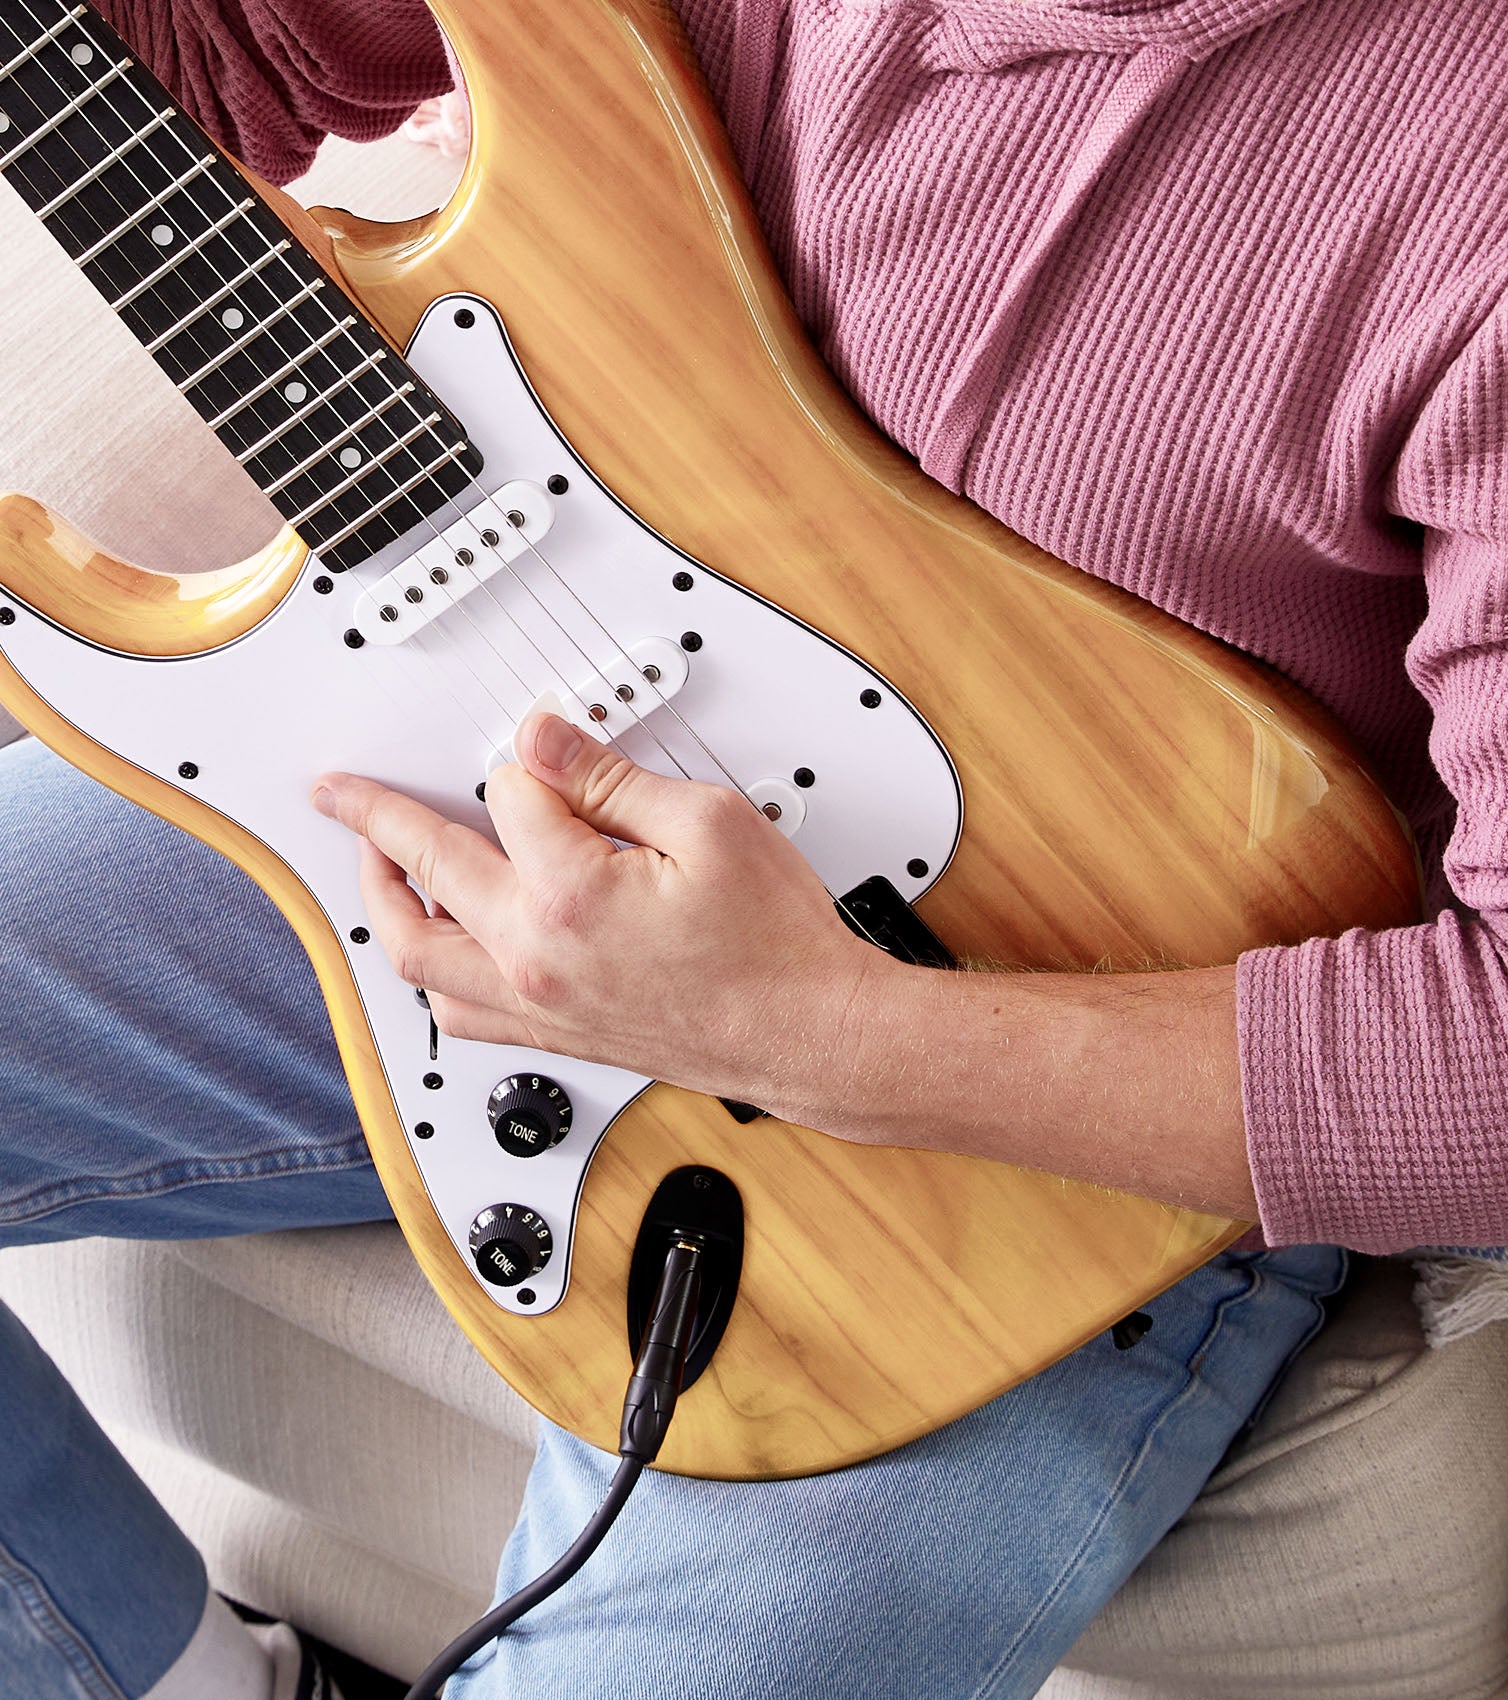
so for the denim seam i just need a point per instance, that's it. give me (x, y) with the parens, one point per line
(173, 1177)
(990, 1686)
(54, 1628)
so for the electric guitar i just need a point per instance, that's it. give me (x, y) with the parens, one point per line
(564, 442)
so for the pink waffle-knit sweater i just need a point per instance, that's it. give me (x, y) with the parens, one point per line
(1206, 297)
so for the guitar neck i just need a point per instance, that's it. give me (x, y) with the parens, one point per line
(326, 417)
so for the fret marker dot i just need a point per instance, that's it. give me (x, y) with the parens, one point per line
(4, 123)
(232, 318)
(162, 234)
(350, 457)
(82, 54)
(296, 392)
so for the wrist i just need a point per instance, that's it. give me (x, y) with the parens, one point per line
(871, 1053)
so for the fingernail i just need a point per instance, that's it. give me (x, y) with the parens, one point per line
(324, 800)
(556, 742)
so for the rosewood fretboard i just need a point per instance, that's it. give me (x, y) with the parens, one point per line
(318, 408)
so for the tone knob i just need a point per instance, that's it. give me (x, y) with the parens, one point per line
(510, 1243)
(529, 1113)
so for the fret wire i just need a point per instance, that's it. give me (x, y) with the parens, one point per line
(282, 372)
(97, 171)
(219, 295)
(196, 170)
(452, 453)
(399, 492)
(258, 329)
(334, 495)
(183, 253)
(346, 381)
(329, 447)
(74, 105)
(41, 41)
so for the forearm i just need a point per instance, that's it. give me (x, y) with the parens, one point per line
(1128, 1080)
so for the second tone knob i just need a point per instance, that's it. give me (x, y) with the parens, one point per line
(510, 1243)
(529, 1114)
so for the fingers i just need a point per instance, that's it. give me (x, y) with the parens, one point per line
(536, 825)
(598, 786)
(457, 867)
(426, 950)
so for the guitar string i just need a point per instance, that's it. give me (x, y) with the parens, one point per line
(254, 408)
(453, 502)
(472, 484)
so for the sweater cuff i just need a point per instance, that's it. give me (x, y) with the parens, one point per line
(1373, 1080)
(1277, 1093)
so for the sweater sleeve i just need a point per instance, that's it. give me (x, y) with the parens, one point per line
(1375, 1066)
(269, 79)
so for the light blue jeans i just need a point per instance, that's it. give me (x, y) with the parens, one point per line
(166, 1071)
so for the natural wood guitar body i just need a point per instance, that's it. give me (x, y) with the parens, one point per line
(1134, 793)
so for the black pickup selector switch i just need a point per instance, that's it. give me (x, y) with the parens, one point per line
(529, 1114)
(510, 1243)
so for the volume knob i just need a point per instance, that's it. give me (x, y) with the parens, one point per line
(510, 1243)
(529, 1113)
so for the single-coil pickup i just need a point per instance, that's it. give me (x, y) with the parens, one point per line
(460, 560)
(628, 688)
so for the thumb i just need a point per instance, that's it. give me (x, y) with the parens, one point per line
(601, 787)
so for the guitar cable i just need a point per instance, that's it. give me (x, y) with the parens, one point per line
(648, 1406)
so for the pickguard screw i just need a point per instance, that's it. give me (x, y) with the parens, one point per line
(354, 639)
(596, 712)
(870, 698)
(526, 1295)
(188, 770)
(464, 557)
(465, 318)
(434, 1081)
(438, 575)
(771, 811)
(515, 518)
(424, 1130)
(557, 484)
(917, 868)
(360, 935)
(414, 594)
(624, 693)
(804, 777)
(691, 642)
(481, 791)
(682, 581)
(323, 586)
(490, 538)
(652, 673)
(7, 616)
(389, 612)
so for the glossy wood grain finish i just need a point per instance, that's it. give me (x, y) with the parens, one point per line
(1134, 792)
(46, 563)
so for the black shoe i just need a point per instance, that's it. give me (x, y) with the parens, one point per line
(314, 1682)
(329, 1674)
(325, 1672)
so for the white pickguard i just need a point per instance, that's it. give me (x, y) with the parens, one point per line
(431, 714)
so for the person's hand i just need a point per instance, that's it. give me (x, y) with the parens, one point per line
(708, 954)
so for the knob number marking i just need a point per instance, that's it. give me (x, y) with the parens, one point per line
(510, 1243)
(530, 1113)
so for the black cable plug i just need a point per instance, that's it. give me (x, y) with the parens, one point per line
(648, 1407)
(650, 1401)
